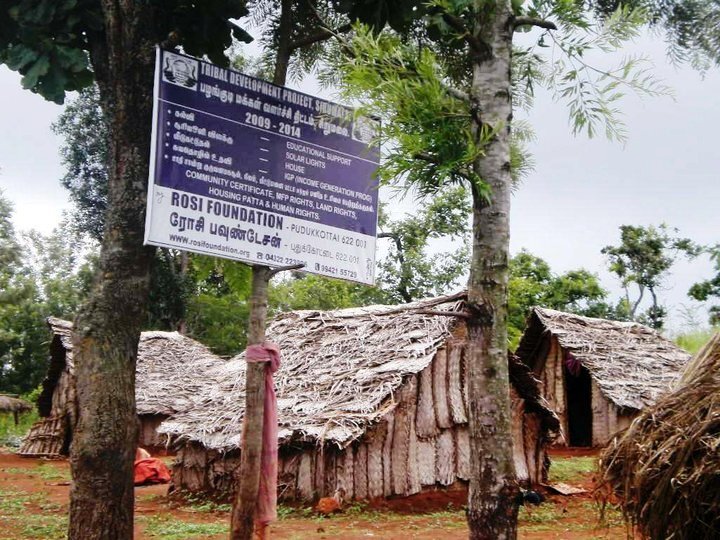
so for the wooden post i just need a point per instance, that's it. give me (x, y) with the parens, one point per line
(249, 474)
(242, 524)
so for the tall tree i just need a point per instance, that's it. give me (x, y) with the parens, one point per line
(533, 283)
(446, 110)
(409, 272)
(642, 261)
(60, 47)
(22, 330)
(710, 288)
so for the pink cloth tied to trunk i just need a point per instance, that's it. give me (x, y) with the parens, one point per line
(266, 508)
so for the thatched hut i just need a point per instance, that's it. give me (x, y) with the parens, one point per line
(169, 366)
(665, 467)
(371, 400)
(597, 374)
(14, 405)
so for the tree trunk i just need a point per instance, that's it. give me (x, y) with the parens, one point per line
(107, 328)
(492, 511)
(249, 473)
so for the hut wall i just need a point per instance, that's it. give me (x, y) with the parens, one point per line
(408, 450)
(549, 369)
(624, 419)
(149, 437)
(601, 411)
(559, 405)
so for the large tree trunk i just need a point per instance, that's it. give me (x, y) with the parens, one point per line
(492, 510)
(107, 328)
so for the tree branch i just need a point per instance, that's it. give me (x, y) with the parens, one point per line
(457, 94)
(322, 35)
(457, 24)
(532, 21)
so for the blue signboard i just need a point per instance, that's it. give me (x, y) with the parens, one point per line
(247, 170)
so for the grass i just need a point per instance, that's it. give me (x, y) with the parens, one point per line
(572, 469)
(10, 434)
(15, 513)
(44, 471)
(168, 528)
(44, 526)
(197, 503)
(693, 341)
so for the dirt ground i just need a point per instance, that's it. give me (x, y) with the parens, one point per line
(34, 497)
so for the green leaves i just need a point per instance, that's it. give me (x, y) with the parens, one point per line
(410, 272)
(532, 283)
(592, 91)
(48, 41)
(376, 14)
(642, 260)
(45, 41)
(426, 127)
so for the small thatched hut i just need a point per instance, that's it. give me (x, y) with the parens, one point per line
(169, 369)
(597, 374)
(665, 467)
(14, 405)
(371, 400)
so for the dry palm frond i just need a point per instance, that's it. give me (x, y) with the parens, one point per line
(14, 405)
(665, 467)
(170, 368)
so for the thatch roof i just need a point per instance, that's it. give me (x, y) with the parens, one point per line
(170, 368)
(632, 364)
(13, 404)
(339, 372)
(666, 466)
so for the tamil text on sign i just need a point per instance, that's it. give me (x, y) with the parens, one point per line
(248, 170)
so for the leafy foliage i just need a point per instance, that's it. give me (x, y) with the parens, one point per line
(39, 277)
(48, 41)
(85, 154)
(643, 259)
(429, 138)
(409, 272)
(692, 27)
(319, 292)
(532, 283)
(710, 288)
(592, 92)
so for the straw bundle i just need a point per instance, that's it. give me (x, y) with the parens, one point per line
(666, 467)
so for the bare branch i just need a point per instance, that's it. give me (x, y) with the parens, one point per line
(532, 21)
(322, 35)
(457, 94)
(422, 156)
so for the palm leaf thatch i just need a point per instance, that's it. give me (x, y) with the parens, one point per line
(632, 364)
(666, 467)
(340, 373)
(338, 369)
(14, 405)
(169, 368)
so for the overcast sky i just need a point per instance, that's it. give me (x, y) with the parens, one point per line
(566, 210)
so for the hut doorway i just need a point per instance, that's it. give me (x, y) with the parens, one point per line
(579, 406)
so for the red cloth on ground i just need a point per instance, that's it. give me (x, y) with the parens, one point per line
(151, 471)
(266, 507)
